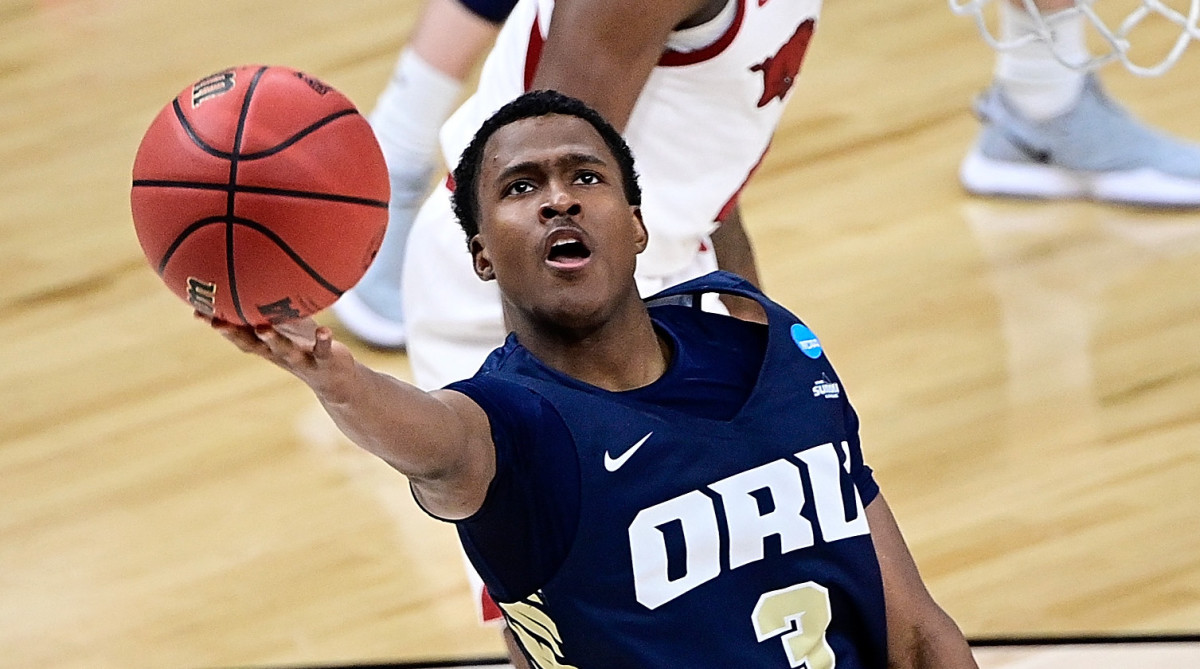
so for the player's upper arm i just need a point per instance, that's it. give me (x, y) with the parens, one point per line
(602, 51)
(457, 487)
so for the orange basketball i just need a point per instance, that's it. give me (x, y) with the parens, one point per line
(259, 195)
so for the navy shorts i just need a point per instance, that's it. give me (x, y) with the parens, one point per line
(492, 10)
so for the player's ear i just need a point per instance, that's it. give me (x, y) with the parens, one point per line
(642, 236)
(481, 259)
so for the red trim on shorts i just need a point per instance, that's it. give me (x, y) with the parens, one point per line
(450, 182)
(488, 609)
(533, 54)
(728, 206)
(677, 58)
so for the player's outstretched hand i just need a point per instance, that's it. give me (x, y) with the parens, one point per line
(301, 347)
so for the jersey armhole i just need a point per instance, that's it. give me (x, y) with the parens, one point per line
(868, 487)
(489, 409)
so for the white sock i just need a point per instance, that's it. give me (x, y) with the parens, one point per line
(407, 117)
(1033, 79)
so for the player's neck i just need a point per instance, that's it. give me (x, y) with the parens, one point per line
(622, 353)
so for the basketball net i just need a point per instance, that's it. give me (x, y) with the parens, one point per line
(1117, 40)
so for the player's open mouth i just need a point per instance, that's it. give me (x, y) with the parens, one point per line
(566, 249)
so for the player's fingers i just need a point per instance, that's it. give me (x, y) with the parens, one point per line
(277, 343)
(323, 345)
(244, 343)
(284, 350)
(300, 331)
(241, 337)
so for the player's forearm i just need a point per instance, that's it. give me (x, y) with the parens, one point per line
(735, 254)
(603, 52)
(595, 80)
(921, 635)
(393, 420)
(938, 646)
(423, 435)
(733, 249)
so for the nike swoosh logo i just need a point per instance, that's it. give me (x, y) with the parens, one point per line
(613, 464)
(1037, 155)
(1034, 153)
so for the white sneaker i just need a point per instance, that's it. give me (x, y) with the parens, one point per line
(1096, 151)
(367, 324)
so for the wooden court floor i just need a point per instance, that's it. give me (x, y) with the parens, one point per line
(1028, 374)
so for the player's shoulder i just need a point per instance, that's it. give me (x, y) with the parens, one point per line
(505, 375)
(689, 320)
(502, 357)
(504, 397)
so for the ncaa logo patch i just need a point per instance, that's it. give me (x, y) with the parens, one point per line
(806, 340)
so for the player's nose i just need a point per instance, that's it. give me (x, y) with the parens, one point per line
(560, 203)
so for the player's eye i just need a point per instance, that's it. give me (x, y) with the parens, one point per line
(588, 178)
(519, 187)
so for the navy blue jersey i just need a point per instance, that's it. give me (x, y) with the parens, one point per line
(526, 525)
(710, 541)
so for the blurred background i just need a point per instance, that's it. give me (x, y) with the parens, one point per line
(1027, 374)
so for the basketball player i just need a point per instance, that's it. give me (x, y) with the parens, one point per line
(696, 86)
(1050, 131)
(640, 486)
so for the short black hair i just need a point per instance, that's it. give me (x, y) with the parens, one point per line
(530, 105)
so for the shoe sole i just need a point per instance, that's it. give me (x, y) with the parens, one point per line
(981, 175)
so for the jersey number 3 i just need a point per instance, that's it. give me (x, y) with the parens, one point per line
(801, 614)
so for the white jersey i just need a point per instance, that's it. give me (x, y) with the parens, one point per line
(701, 125)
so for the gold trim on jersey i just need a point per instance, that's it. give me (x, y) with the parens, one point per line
(536, 632)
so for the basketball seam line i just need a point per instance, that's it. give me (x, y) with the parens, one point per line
(232, 194)
(298, 136)
(257, 155)
(181, 237)
(269, 233)
(191, 133)
(260, 190)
